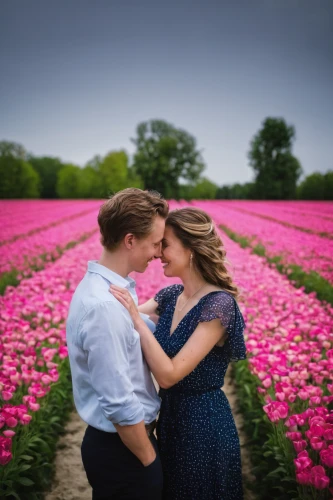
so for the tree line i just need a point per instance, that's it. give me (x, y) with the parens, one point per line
(168, 160)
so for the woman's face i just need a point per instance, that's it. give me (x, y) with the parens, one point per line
(175, 257)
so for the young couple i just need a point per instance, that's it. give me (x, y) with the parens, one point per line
(113, 351)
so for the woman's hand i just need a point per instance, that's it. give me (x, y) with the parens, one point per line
(126, 299)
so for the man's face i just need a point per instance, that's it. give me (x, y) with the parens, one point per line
(146, 249)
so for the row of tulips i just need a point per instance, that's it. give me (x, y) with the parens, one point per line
(321, 224)
(320, 208)
(293, 247)
(19, 219)
(299, 274)
(34, 377)
(289, 340)
(24, 256)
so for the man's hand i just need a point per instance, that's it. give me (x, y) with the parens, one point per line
(136, 439)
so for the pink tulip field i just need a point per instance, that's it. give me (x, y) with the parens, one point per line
(21, 218)
(291, 246)
(44, 238)
(317, 222)
(285, 387)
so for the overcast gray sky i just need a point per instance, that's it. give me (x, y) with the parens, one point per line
(77, 76)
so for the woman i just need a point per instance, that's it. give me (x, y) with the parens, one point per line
(200, 329)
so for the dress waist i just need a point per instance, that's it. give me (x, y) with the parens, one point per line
(186, 392)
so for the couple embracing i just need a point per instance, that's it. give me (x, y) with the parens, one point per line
(114, 347)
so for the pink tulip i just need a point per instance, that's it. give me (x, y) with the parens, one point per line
(63, 352)
(299, 445)
(46, 379)
(315, 400)
(5, 450)
(318, 477)
(34, 406)
(303, 477)
(326, 456)
(303, 461)
(317, 443)
(54, 375)
(328, 433)
(11, 422)
(317, 430)
(9, 434)
(5, 457)
(25, 419)
(6, 395)
(330, 388)
(294, 436)
(267, 383)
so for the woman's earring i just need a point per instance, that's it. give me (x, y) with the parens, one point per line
(191, 258)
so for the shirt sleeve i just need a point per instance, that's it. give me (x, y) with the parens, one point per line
(105, 338)
(224, 307)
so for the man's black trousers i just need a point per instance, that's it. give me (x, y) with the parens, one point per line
(115, 473)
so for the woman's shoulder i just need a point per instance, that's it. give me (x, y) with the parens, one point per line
(215, 291)
(218, 299)
(167, 292)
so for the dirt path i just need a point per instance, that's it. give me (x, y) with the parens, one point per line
(230, 391)
(70, 481)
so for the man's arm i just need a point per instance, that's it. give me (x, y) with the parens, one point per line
(105, 331)
(136, 439)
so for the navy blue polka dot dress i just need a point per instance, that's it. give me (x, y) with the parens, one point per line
(196, 432)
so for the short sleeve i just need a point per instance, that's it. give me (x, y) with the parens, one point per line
(163, 297)
(224, 307)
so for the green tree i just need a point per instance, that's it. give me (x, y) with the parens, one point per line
(276, 169)
(134, 179)
(89, 183)
(18, 178)
(95, 162)
(100, 178)
(68, 182)
(8, 148)
(316, 186)
(113, 171)
(223, 193)
(202, 190)
(328, 185)
(236, 192)
(47, 169)
(312, 187)
(164, 156)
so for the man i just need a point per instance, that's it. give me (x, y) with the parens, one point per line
(113, 389)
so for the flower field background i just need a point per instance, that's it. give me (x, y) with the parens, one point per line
(281, 257)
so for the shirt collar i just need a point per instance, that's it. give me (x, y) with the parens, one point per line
(111, 276)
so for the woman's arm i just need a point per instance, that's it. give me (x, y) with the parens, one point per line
(170, 371)
(149, 307)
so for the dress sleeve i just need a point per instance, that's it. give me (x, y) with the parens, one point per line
(163, 297)
(224, 307)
